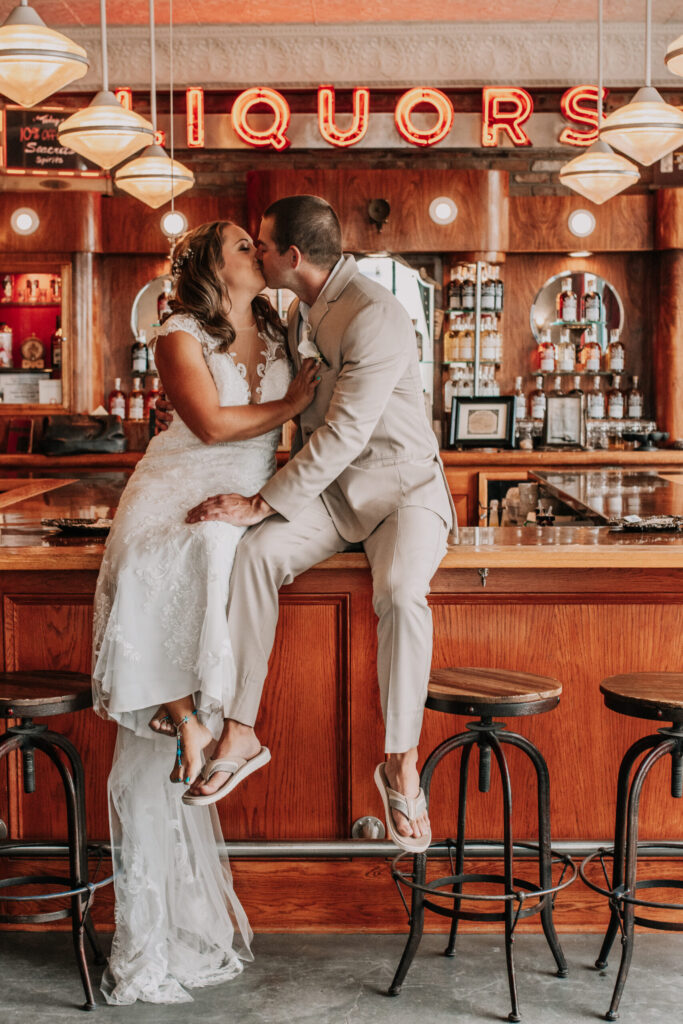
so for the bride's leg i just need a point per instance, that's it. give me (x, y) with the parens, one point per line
(193, 737)
(237, 740)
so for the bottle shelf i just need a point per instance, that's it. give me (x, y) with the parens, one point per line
(472, 312)
(26, 369)
(578, 325)
(32, 305)
(470, 362)
(579, 373)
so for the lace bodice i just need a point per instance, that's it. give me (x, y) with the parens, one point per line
(272, 369)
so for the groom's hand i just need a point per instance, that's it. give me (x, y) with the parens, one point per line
(231, 508)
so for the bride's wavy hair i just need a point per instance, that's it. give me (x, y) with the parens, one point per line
(199, 291)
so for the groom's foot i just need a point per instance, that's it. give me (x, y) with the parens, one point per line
(403, 776)
(194, 739)
(236, 740)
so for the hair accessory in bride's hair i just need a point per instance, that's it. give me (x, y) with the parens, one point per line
(180, 261)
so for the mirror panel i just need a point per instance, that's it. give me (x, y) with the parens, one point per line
(544, 307)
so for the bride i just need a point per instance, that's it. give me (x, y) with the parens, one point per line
(160, 630)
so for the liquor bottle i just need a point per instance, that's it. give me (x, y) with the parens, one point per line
(116, 403)
(547, 353)
(566, 353)
(151, 396)
(595, 402)
(450, 341)
(55, 289)
(488, 339)
(500, 290)
(488, 290)
(138, 354)
(418, 339)
(6, 360)
(136, 402)
(468, 289)
(615, 400)
(567, 306)
(591, 303)
(615, 353)
(576, 390)
(7, 288)
(465, 345)
(537, 401)
(457, 274)
(163, 297)
(591, 353)
(634, 401)
(520, 400)
(557, 387)
(56, 341)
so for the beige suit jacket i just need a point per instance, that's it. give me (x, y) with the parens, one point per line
(364, 444)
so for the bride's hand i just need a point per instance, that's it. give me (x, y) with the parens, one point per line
(301, 391)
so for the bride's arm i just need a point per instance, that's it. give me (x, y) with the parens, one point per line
(191, 389)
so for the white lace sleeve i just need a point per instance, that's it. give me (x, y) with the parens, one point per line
(179, 322)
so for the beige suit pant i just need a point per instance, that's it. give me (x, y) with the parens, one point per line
(404, 552)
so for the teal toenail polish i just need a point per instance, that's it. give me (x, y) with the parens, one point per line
(187, 781)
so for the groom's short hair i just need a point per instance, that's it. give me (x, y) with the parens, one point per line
(309, 223)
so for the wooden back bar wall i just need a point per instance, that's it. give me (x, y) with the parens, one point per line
(116, 245)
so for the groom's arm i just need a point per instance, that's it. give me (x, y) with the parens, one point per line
(376, 347)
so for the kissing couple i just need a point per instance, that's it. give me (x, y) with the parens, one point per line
(206, 523)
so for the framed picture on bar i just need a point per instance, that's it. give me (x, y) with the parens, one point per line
(565, 423)
(482, 422)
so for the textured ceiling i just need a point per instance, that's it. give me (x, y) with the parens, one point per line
(64, 13)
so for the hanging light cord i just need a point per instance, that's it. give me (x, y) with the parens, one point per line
(170, 89)
(103, 36)
(599, 65)
(648, 43)
(152, 68)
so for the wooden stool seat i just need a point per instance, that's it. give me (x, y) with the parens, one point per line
(657, 695)
(40, 694)
(491, 691)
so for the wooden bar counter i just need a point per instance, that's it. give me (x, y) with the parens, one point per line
(578, 603)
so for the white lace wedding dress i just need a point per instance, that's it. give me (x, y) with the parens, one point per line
(160, 633)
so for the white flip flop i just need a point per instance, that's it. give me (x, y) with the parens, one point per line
(411, 807)
(238, 768)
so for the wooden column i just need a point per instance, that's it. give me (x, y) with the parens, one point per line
(668, 347)
(86, 334)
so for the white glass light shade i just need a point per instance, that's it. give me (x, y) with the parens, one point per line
(173, 223)
(36, 61)
(105, 132)
(153, 177)
(24, 220)
(674, 56)
(443, 210)
(581, 223)
(646, 129)
(599, 173)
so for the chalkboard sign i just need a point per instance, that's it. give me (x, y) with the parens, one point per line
(31, 143)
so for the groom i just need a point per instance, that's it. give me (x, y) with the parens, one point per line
(365, 468)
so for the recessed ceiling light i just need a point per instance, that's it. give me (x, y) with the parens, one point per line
(580, 253)
(581, 223)
(24, 220)
(173, 223)
(443, 210)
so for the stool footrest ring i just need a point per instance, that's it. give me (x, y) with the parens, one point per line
(620, 895)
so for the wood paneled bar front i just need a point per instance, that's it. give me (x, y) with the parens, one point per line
(577, 603)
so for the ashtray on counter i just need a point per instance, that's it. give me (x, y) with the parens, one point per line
(642, 524)
(93, 527)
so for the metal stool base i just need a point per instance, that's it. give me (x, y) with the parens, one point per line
(489, 737)
(26, 738)
(622, 894)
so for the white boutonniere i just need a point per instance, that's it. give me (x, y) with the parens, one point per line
(308, 349)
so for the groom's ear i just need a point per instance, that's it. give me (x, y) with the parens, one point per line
(295, 257)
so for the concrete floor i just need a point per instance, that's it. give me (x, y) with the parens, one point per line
(341, 979)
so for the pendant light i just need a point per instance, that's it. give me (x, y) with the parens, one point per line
(105, 132)
(153, 177)
(674, 56)
(647, 128)
(36, 61)
(599, 173)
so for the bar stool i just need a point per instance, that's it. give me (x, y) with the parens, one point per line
(649, 695)
(486, 693)
(26, 696)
